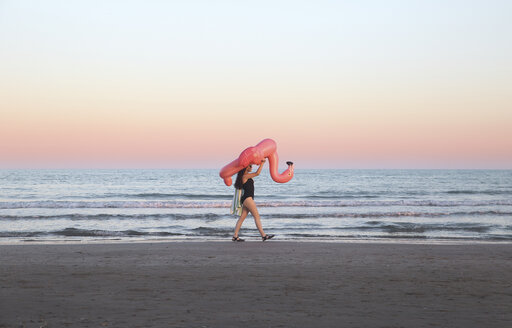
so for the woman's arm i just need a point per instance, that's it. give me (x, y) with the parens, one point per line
(255, 174)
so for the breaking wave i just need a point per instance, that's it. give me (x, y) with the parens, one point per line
(214, 204)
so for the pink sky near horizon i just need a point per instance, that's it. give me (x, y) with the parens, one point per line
(200, 139)
(72, 96)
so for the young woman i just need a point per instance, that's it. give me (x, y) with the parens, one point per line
(244, 181)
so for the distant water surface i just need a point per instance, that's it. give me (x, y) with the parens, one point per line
(428, 205)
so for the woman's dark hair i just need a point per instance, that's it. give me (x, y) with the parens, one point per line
(238, 182)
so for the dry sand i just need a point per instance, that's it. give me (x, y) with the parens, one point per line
(255, 284)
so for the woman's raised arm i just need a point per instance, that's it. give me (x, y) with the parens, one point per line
(255, 174)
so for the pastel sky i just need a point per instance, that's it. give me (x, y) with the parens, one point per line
(177, 84)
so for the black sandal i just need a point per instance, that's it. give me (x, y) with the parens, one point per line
(238, 239)
(267, 237)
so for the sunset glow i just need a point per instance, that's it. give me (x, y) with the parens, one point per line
(190, 84)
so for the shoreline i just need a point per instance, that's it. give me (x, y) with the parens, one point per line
(255, 284)
(250, 239)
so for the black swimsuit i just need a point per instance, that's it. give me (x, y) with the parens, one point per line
(248, 189)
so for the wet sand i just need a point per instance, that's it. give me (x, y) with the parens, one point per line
(255, 284)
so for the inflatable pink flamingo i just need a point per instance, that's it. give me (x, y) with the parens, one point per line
(253, 155)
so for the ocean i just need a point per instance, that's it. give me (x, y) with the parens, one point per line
(327, 205)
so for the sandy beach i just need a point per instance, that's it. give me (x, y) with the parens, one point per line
(255, 284)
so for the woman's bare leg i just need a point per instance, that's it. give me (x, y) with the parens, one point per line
(245, 211)
(251, 206)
